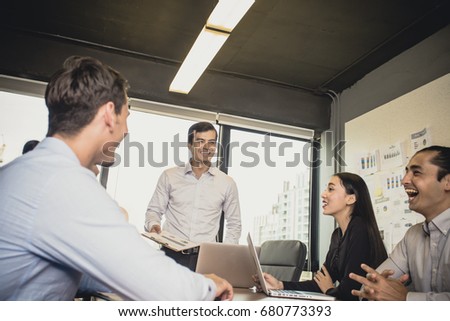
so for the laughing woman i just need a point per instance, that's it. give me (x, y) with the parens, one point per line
(356, 240)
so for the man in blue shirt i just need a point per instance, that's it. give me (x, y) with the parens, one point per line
(58, 223)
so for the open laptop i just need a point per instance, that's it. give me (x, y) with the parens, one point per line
(229, 261)
(291, 294)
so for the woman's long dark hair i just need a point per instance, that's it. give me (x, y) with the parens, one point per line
(355, 185)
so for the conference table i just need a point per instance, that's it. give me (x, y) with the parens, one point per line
(240, 294)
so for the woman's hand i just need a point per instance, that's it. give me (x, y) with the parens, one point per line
(271, 282)
(323, 280)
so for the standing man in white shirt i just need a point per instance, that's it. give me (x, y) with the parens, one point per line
(193, 197)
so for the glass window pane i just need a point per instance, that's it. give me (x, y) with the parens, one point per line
(22, 118)
(154, 143)
(273, 179)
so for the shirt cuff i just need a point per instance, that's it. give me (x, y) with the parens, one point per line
(150, 224)
(211, 289)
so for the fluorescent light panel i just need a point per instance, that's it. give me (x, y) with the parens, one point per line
(199, 57)
(228, 13)
(221, 22)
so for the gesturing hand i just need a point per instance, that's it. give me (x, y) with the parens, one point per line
(379, 286)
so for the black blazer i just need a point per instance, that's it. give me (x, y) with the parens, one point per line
(345, 255)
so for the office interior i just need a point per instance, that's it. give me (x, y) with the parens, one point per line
(294, 69)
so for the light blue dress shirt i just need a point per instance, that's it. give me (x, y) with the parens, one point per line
(424, 254)
(57, 222)
(192, 207)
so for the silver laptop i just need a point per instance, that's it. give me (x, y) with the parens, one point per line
(229, 261)
(291, 294)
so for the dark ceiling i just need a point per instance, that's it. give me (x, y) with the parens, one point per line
(311, 46)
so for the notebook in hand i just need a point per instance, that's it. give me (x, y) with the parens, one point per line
(170, 241)
(291, 294)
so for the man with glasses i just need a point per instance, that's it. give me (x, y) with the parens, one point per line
(193, 197)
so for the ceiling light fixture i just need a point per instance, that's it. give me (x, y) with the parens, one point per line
(225, 16)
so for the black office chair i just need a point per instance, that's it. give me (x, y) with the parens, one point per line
(284, 259)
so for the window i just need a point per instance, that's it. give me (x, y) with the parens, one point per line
(154, 143)
(22, 118)
(271, 172)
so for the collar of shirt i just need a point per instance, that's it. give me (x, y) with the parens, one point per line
(58, 146)
(440, 222)
(211, 170)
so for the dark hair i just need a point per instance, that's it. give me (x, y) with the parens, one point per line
(200, 127)
(355, 185)
(75, 93)
(29, 146)
(441, 159)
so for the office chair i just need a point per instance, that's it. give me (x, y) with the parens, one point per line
(284, 259)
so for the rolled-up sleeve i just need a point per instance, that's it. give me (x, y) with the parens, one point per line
(158, 204)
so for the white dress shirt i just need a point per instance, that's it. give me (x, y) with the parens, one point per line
(192, 207)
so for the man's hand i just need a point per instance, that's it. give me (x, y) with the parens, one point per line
(379, 286)
(224, 290)
(155, 229)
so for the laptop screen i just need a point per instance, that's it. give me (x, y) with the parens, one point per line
(256, 264)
